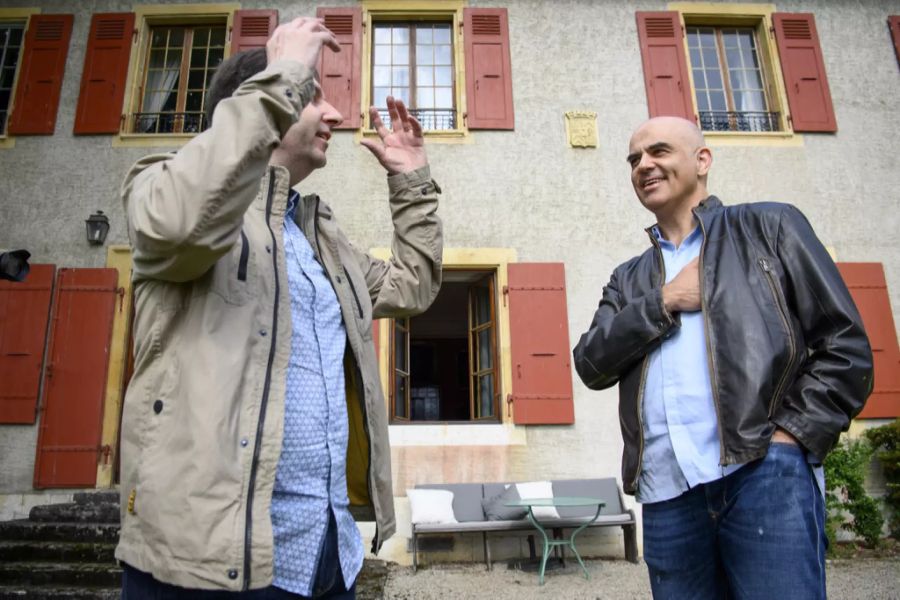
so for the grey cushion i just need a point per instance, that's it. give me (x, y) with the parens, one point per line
(495, 508)
(466, 499)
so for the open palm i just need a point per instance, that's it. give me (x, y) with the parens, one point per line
(401, 148)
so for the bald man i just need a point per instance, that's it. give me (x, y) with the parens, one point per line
(740, 358)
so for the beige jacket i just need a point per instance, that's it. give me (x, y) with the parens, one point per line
(203, 416)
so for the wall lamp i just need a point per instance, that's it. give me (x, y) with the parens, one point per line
(97, 226)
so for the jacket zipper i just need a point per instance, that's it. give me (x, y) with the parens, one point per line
(248, 525)
(770, 279)
(245, 255)
(355, 297)
(712, 371)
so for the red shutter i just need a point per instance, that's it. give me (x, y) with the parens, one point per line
(24, 311)
(41, 74)
(894, 25)
(252, 29)
(489, 102)
(340, 72)
(869, 290)
(539, 336)
(665, 66)
(804, 72)
(376, 324)
(68, 446)
(105, 69)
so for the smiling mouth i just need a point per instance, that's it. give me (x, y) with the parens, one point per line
(324, 135)
(650, 182)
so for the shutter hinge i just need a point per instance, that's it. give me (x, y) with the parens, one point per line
(48, 370)
(505, 294)
(134, 35)
(509, 399)
(120, 292)
(105, 452)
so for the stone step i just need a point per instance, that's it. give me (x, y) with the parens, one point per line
(101, 497)
(74, 512)
(62, 532)
(32, 550)
(60, 574)
(44, 592)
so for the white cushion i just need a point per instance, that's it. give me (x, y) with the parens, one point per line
(538, 489)
(431, 506)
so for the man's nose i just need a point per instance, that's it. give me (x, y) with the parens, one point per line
(645, 163)
(332, 116)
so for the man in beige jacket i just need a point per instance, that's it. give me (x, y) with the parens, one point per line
(254, 423)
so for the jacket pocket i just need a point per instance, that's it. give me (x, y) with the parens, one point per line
(232, 277)
(775, 288)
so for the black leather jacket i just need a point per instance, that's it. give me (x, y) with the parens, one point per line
(784, 340)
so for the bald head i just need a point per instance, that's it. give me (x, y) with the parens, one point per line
(675, 128)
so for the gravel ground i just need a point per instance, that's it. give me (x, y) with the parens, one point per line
(857, 579)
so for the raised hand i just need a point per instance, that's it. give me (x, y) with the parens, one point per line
(301, 40)
(402, 148)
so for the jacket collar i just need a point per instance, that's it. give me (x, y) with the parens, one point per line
(701, 210)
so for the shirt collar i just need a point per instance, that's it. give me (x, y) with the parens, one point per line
(293, 201)
(697, 231)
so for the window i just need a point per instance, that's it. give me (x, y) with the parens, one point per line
(729, 83)
(180, 61)
(414, 62)
(444, 364)
(10, 45)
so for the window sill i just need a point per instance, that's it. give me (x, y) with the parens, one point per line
(753, 138)
(474, 434)
(447, 136)
(7, 142)
(150, 140)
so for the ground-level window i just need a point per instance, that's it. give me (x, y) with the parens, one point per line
(444, 363)
(10, 45)
(413, 61)
(729, 82)
(179, 64)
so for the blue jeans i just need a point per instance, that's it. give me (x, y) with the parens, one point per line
(329, 583)
(758, 533)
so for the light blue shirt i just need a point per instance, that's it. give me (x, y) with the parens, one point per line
(311, 477)
(681, 431)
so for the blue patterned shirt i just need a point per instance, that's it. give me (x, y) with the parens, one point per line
(311, 477)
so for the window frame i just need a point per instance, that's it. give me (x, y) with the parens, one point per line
(759, 17)
(397, 11)
(15, 15)
(146, 17)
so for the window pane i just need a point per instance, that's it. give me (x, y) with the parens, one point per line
(400, 76)
(710, 58)
(400, 35)
(484, 350)
(441, 34)
(699, 79)
(176, 36)
(382, 55)
(696, 61)
(693, 35)
(157, 59)
(381, 76)
(443, 98)
(707, 37)
(442, 55)
(400, 55)
(201, 36)
(733, 58)
(196, 79)
(198, 58)
(215, 57)
(424, 35)
(443, 75)
(401, 93)
(4, 99)
(158, 38)
(194, 102)
(217, 36)
(750, 58)
(424, 76)
(424, 55)
(12, 56)
(717, 100)
(702, 102)
(400, 398)
(482, 304)
(382, 34)
(714, 80)
(400, 359)
(6, 78)
(425, 97)
(486, 396)
(380, 96)
(15, 36)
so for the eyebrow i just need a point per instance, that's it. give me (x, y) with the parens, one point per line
(651, 148)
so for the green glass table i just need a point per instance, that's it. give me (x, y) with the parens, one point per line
(559, 501)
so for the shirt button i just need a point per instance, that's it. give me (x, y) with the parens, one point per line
(288, 92)
(158, 406)
(263, 332)
(424, 190)
(269, 249)
(232, 574)
(244, 442)
(338, 278)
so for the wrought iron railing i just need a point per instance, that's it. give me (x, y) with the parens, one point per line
(169, 122)
(721, 120)
(431, 119)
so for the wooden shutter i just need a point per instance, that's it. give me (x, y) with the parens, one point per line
(68, 446)
(252, 29)
(489, 102)
(869, 290)
(24, 313)
(41, 74)
(894, 25)
(539, 336)
(340, 72)
(376, 327)
(105, 70)
(665, 65)
(804, 72)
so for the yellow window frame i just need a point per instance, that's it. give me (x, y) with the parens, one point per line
(15, 14)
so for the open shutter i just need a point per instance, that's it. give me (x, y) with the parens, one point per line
(41, 74)
(804, 72)
(894, 25)
(869, 290)
(24, 312)
(665, 65)
(539, 336)
(340, 72)
(105, 70)
(489, 102)
(68, 447)
(252, 29)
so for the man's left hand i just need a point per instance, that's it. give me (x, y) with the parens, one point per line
(783, 437)
(402, 148)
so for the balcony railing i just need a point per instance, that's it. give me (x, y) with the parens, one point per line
(169, 122)
(431, 119)
(721, 120)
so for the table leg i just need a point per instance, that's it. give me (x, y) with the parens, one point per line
(572, 541)
(546, 553)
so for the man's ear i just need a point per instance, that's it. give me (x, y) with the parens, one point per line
(704, 161)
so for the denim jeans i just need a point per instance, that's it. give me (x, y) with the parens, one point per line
(758, 533)
(329, 583)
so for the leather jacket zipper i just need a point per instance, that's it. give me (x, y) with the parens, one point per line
(245, 255)
(770, 279)
(257, 447)
(709, 354)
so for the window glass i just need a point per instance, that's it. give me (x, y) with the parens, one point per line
(10, 44)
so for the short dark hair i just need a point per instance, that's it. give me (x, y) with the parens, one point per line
(231, 74)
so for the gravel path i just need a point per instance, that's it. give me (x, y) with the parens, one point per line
(857, 579)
